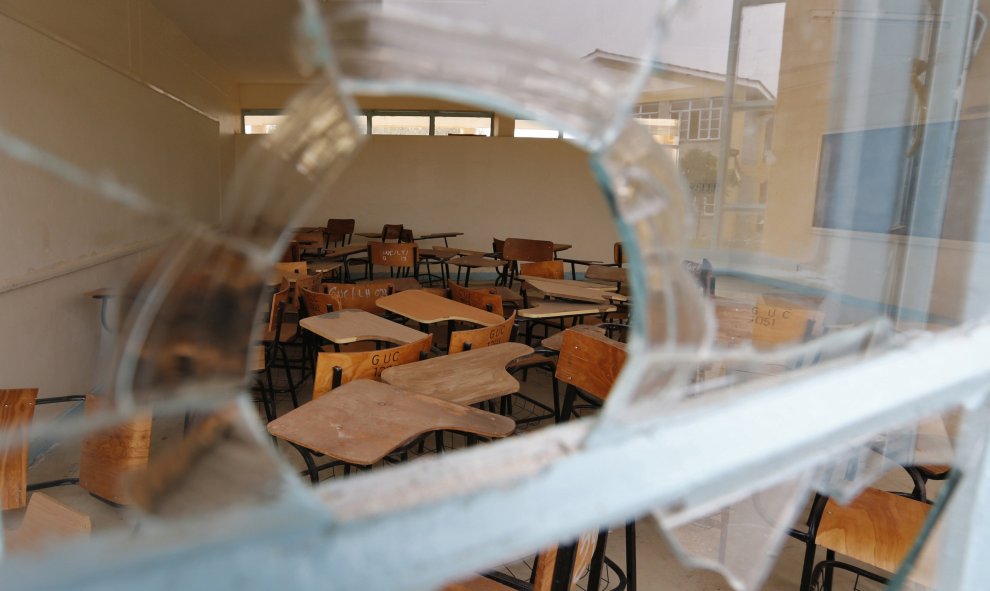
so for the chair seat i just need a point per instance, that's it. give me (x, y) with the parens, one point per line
(877, 528)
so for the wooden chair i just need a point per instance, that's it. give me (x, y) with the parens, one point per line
(275, 337)
(362, 296)
(401, 259)
(516, 250)
(108, 456)
(555, 569)
(315, 303)
(876, 529)
(392, 232)
(589, 364)
(485, 298)
(618, 255)
(545, 269)
(334, 369)
(45, 522)
(464, 340)
(16, 413)
(338, 232)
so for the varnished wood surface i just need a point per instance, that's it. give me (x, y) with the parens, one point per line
(567, 289)
(558, 309)
(783, 319)
(348, 326)
(46, 522)
(554, 342)
(485, 336)
(590, 361)
(487, 299)
(362, 296)
(323, 266)
(357, 365)
(361, 422)
(559, 246)
(439, 235)
(877, 528)
(110, 455)
(571, 283)
(465, 378)
(16, 413)
(606, 274)
(452, 251)
(428, 308)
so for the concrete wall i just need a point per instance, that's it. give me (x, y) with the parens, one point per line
(112, 87)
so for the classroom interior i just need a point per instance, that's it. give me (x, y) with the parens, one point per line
(822, 167)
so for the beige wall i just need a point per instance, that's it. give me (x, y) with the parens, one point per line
(114, 88)
(484, 187)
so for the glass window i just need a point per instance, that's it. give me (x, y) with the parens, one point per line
(262, 123)
(700, 119)
(448, 125)
(400, 125)
(530, 128)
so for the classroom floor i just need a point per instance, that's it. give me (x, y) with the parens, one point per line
(658, 567)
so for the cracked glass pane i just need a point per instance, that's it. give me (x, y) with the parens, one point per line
(236, 236)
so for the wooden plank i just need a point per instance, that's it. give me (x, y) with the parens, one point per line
(590, 361)
(782, 319)
(877, 528)
(16, 413)
(485, 336)
(571, 283)
(572, 290)
(559, 309)
(110, 455)
(46, 522)
(556, 341)
(428, 308)
(364, 364)
(361, 422)
(363, 296)
(465, 378)
(348, 326)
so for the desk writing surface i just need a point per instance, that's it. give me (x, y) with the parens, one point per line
(475, 261)
(572, 283)
(349, 325)
(363, 421)
(558, 309)
(464, 378)
(427, 308)
(439, 235)
(564, 289)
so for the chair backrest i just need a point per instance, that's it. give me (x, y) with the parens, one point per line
(46, 521)
(338, 232)
(523, 249)
(317, 302)
(335, 369)
(294, 270)
(362, 296)
(484, 299)
(396, 256)
(392, 232)
(280, 301)
(603, 273)
(498, 246)
(618, 255)
(463, 340)
(590, 362)
(546, 563)
(310, 282)
(406, 236)
(779, 320)
(547, 269)
(109, 456)
(16, 413)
